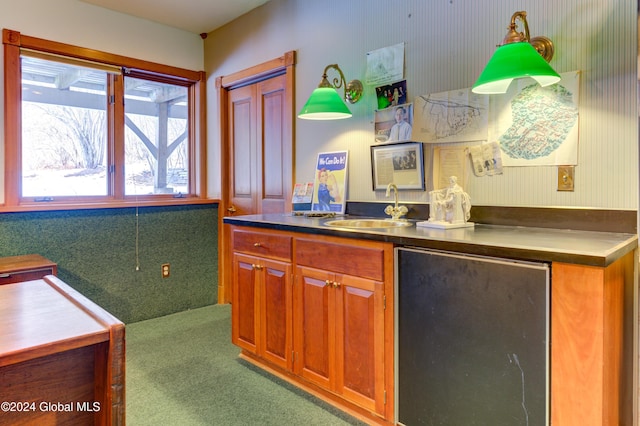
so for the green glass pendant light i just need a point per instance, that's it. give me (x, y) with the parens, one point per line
(517, 57)
(325, 103)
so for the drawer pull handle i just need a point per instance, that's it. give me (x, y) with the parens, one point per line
(5, 275)
(257, 244)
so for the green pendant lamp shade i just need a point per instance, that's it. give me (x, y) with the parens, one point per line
(517, 57)
(510, 61)
(324, 104)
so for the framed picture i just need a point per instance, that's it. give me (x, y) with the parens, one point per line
(399, 163)
(393, 124)
(329, 189)
(392, 94)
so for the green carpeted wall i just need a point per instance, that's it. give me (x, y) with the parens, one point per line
(96, 254)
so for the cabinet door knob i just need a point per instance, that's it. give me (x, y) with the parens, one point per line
(257, 267)
(231, 209)
(257, 244)
(327, 283)
(336, 284)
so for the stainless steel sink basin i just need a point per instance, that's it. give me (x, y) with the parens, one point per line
(368, 223)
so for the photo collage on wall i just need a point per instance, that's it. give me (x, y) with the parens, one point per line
(394, 117)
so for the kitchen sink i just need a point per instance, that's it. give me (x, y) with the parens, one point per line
(368, 223)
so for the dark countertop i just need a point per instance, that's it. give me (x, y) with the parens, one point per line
(512, 242)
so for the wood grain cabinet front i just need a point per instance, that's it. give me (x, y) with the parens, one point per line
(15, 269)
(318, 311)
(339, 335)
(261, 296)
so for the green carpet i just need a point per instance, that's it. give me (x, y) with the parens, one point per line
(183, 370)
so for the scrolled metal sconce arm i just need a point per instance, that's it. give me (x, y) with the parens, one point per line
(352, 90)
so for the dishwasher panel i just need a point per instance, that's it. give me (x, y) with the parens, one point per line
(472, 340)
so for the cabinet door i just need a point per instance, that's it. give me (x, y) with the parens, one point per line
(359, 335)
(275, 316)
(314, 303)
(243, 306)
(339, 329)
(261, 308)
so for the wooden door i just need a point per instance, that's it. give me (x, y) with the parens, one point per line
(274, 184)
(259, 161)
(242, 150)
(256, 116)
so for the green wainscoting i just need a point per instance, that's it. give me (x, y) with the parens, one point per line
(96, 254)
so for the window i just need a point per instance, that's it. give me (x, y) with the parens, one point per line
(156, 135)
(64, 130)
(90, 128)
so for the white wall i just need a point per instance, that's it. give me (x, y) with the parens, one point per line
(81, 24)
(448, 43)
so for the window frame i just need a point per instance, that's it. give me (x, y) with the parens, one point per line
(13, 42)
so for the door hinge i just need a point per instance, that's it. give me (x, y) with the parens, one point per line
(384, 299)
(112, 99)
(293, 357)
(384, 393)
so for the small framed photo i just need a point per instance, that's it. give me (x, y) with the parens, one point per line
(399, 163)
(394, 124)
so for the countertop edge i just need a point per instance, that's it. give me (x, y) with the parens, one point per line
(624, 244)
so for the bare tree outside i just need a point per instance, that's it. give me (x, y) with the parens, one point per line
(64, 133)
(60, 143)
(88, 133)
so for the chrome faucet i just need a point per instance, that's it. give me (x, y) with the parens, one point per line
(396, 211)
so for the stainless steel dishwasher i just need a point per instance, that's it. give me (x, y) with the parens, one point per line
(472, 340)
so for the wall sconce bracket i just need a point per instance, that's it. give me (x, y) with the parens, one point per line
(352, 90)
(544, 46)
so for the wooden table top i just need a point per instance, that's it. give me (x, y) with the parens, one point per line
(46, 316)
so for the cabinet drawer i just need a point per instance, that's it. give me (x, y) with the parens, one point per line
(16, 277)
(343, 258)
(264, 244)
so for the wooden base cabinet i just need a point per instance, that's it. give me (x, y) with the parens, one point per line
(339, 335)
(261, 300)
(323, 321)
(591, 321)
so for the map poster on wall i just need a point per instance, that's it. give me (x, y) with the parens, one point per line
(537, 126)
(330, 184)
(455, 116)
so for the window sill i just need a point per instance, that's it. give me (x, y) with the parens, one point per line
(52, 206)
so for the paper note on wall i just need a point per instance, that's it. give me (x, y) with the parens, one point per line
(385, 65)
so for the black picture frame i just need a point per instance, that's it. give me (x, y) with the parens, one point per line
(399, 163)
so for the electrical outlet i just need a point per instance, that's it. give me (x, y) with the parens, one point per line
(166, 270)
